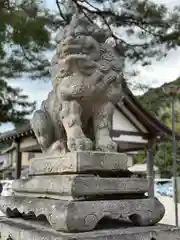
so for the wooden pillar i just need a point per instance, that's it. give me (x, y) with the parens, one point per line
(150, 169)
(18, 161)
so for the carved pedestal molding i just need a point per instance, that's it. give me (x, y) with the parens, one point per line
(72, 216)
(78, 186)
(73, 197)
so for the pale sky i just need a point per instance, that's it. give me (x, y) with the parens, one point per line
(166, 70)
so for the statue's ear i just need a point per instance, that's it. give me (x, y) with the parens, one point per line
(63, 33)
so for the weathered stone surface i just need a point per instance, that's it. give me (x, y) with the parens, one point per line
(87, 79)
(78, 162)
(18, 229)
(76, 186)
(80, 216)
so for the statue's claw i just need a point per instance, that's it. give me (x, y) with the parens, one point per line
(79, 144)
(106, 145)
(59, 147)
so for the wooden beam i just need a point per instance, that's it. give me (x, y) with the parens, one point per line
(150, 169)
(129, 143)
(18, 161)
(35, 148)
(124, 146)
(131, 150)
(118, 133)
(130, 120)
(150, 125)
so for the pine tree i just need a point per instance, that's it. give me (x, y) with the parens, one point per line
(25, 36)
(142, 28)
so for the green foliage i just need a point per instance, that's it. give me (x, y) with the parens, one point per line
(160, 105)
(157, 95)
(165, 114)
(163, 158)
(13, 104)
(25, 34)
(140, 157)
(163, 154)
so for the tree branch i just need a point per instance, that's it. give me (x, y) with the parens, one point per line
(123, 18)
(60, 11)
(101, 13)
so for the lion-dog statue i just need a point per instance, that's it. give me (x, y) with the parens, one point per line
(87, 77)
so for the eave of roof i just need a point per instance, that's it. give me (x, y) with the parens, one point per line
(152, 123)
(141, 168)
(17, 133)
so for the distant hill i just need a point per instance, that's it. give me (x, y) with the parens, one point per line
(155, 98)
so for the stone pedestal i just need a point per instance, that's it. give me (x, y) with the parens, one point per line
(18, 229)
(77, 192)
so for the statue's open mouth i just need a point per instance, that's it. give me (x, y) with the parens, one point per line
(75, 55)
(71, 46)
(71, 49)
(80, 45)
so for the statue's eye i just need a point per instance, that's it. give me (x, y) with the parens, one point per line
(78, 36)
(54, 62)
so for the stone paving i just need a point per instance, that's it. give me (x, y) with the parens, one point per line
(169, 217)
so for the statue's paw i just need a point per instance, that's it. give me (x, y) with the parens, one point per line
(106, 145)
(79, 144)
(59, 147)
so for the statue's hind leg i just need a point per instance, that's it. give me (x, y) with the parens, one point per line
(43, 129)
(102, 124)
(48, 136)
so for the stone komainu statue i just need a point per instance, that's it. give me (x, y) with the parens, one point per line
(87, 80)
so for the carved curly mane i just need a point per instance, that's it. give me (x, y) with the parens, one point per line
(84, 53)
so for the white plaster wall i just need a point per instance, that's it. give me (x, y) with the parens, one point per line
(134, 119)
(120, 122)
(28, 142)
(130, 161)
(126, 138)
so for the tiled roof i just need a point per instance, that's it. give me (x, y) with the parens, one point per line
(16, 133)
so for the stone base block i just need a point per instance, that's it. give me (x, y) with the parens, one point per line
(78, 162)
(78, 216)
(78, 186)
(18, 229)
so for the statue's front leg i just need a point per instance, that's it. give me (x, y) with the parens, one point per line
(71, 119)
(102, 123)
